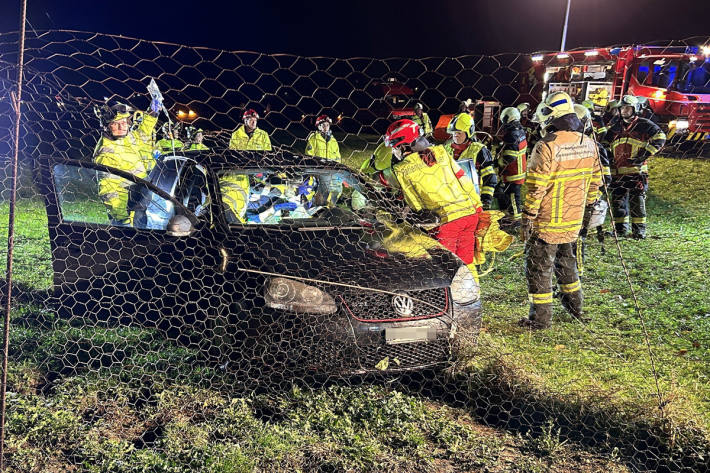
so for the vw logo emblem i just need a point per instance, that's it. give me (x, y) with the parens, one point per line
(403, 305)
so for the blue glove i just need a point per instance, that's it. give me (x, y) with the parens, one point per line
(156, 106)
(286, 206)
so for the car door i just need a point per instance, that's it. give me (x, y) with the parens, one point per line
(106, 270)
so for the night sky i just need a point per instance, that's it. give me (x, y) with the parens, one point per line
(374, 28)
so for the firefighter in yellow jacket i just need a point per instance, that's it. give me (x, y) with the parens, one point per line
(249, 136)
(422, 119)
(431, 180)
(563, 179)
(321, 143)
(126, 149)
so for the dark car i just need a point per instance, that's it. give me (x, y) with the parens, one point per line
(248, 256)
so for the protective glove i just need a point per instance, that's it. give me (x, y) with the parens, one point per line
(156, 106)
(526, 229)
(286, 206)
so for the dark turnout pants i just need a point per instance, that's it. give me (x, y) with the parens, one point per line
(508, 196)
(629, 203)
(540, 259)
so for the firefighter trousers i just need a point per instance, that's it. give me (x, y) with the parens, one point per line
(629, 203)
(541, 259)
(459, 236)
(509, 200)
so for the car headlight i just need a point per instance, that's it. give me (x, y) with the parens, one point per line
(294, 296)
(464, 288)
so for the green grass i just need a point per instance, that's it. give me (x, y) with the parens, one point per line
(126, 399)
(606, 361)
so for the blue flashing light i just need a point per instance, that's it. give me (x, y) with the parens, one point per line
(615, 51)
(691, 50)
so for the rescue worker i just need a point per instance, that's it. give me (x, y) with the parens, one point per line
(432, 181)
(321, 143)
(196, 137)
(421, 118)
(463, 145)
(611, 113)
(170, 142)
(563, 178)
(585, 117)
(597, 122)
(512, 159)
(127, 149)
(249, 136)
(633, 139)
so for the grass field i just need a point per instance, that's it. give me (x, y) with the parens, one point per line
(579, 397)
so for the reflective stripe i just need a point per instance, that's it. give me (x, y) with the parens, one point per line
(621, 219)
(542, 298)
(516, 177)
(629, 170)
(571, 287)
(487, 171)
(571, 223)
(487, 190)
(638, 219)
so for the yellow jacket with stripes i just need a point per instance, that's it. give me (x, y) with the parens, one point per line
(563, 176)
(631, 145)
(431, 180)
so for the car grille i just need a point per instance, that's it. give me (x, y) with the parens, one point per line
(405, 355)
(370, 306)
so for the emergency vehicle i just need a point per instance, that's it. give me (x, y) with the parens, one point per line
(675, 81)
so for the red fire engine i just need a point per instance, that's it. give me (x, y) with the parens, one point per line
(674, 80)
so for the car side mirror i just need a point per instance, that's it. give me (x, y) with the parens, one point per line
(179, 226)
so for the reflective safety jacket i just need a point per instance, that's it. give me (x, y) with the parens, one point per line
(424, 123)
(599, 126)
(431, 180)
(563, 177)
(197, 147)
(631, 145)
(317, 145)
(132, 153)
(512, 158)
(257, 141)
(234, 189)
(483, 159)
(167, 146)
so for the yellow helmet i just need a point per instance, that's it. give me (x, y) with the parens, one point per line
(589, 105)
(557, 104)
(120, 111)
(462, 122)
(509, 114)
(631, 101)
(613, 104)
(583, 114)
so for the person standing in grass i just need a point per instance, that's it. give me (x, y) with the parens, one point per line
(562, 181)
(321, 143)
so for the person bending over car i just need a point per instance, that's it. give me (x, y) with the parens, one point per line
(431, 180)
(128, 149)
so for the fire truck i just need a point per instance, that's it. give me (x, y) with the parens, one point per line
(674, 80)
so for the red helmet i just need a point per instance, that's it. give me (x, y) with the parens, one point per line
(401, 132)
(250, 113)
(323, 118)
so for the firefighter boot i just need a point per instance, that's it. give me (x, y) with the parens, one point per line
(539, 317)
(572, 302)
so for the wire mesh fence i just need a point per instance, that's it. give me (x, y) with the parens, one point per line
(193, 292)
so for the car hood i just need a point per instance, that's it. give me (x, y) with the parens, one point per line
(386, 256)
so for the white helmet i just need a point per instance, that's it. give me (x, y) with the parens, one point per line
(509, 114)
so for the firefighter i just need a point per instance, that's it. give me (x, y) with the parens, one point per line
(463, 145)
(563, 179)
(432, 181)
(511, 162)
(321, 143)
(128, 149)
(249, 136)
(597, 122)
(196, 136)
(611, 113)
(170, 142)
(633, 139)
(421, 118)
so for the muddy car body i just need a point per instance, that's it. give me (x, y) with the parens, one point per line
(346, 284)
